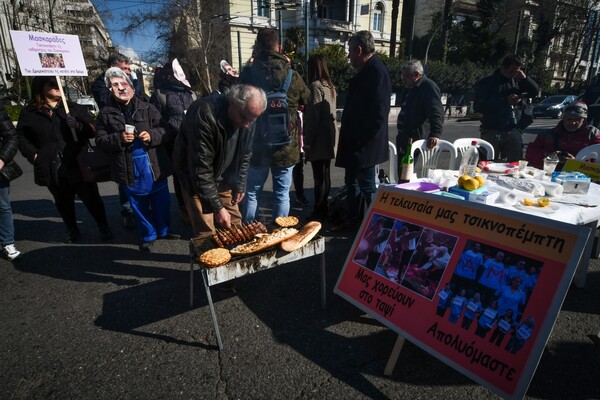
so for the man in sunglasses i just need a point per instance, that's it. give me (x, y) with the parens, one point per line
(564, 141)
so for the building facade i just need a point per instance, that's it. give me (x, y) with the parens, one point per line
(328, 22)
(75, 17)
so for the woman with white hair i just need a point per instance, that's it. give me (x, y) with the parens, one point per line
(139, 159)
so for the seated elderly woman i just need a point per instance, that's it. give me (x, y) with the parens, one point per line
(139, 159)
(564, 141)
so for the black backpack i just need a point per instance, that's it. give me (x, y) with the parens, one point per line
(274, 123)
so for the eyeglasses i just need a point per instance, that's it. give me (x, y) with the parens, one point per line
(117, 84)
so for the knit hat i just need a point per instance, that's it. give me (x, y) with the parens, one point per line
(577, 109)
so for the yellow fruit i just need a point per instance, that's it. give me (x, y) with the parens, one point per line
(543, 202)
(471, 184)
(528, 202)
(481, 180)
(477, 169)
(462, 179)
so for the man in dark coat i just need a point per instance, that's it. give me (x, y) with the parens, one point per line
(500, 99)
(420, 102)
(212, 156)
(364, 132)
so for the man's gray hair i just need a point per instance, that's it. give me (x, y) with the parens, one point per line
(116, 72)
(240, 94)
(365, 40)
(414, 66)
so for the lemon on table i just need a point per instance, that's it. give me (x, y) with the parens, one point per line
(462, 179)
(477, 169)
(481, 180)
(543, 202)
(471, 184)
(528, 202)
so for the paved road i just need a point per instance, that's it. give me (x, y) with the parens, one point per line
(104, 321)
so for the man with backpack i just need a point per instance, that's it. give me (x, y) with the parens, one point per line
(275, 146)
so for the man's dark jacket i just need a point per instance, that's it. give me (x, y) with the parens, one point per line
(364, 132)
(200, 151)
(491, 95)
(419, 103)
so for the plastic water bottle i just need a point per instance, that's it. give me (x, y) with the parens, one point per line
(469, 160)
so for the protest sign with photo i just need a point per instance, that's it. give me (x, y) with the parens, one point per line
(478, 287)
(42, 53)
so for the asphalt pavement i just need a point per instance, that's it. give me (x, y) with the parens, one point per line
(96, 320)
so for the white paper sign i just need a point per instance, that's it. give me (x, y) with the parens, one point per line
(43, 53)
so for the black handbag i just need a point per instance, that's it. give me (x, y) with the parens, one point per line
(94, 164)
(10, 172)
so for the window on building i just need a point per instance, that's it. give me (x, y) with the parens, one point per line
(378, 17)
(325, 12)
(262, 8)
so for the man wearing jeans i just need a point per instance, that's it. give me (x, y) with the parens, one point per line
(364, 132)
(268, 71)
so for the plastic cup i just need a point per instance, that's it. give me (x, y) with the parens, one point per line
(129, 128)
(550, 165)
(522, 164)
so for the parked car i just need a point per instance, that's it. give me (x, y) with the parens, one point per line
(89, 103)
(553, 106)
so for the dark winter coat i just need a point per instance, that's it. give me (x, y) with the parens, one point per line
(110, 124)
(172, 100)
(200, 151)
(268, 71)
(9, 143)
(364, 132)
(491, 95)
(558, 139)
(419, 104)
(49, 137)
(319, 122)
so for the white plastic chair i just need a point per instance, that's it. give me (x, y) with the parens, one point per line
(430, 157)
(589, 152)
(393, 169)
(463, 144)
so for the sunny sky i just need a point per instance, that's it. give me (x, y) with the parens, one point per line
(140, 42)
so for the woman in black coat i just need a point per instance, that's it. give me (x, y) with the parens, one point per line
(46, 140)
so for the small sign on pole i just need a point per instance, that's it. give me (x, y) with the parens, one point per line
(42, 53)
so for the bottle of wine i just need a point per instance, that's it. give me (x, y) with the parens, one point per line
(407, 164)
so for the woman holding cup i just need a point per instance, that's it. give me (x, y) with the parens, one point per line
(130, 130)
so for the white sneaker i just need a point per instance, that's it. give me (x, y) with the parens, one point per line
(11, 251)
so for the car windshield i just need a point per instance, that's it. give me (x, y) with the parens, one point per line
(554, 99)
